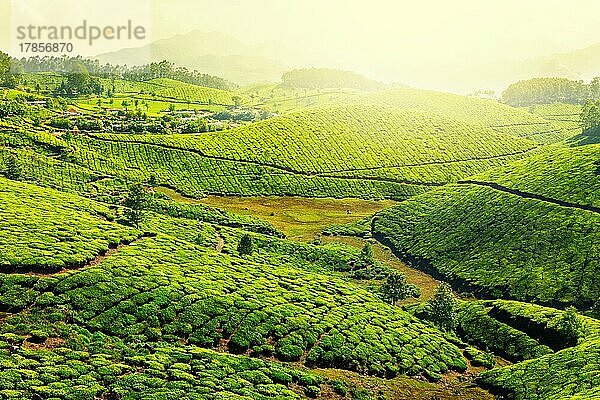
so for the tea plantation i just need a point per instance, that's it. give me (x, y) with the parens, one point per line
(569, 174)
(498, 243)
(45, 230)
(110, 289)
(570, 373)
(133, 323)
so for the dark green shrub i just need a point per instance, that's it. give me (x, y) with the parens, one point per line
(245, 246)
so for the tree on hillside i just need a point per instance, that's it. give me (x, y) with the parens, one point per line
(397, 288)
(135, 203)
(4, 64)
(590, 114)
(245, 246)
(443, 308)
(366, 257)
(13, 168)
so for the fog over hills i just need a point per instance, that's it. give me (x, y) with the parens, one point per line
(212, 53)
(220, 54)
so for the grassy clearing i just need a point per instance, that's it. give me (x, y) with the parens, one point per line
(402, 388)
(304, 219)
(299, 218)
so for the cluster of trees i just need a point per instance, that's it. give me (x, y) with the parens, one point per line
(163, 69)
(79, 82)
(590, 114)
(322, 78)
(11, 71)
(550, 90)
(245, 115)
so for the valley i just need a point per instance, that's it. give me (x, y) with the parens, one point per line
(163, 239)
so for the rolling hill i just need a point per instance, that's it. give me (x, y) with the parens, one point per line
(535, 239)
(492, 200)
(386, 139)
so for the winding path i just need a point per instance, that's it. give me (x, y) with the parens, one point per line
(529, 195)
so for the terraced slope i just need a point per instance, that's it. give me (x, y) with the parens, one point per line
(160, 87)
(44, 230)
(499, 243)
(567, 174)
(196, 175)
(569, 374)
(326, 151)
(565, 115)
(172, 89)
(279, 99)
(348, 138)
(113, 326)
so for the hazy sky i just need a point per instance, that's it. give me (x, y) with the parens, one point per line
(376, 37)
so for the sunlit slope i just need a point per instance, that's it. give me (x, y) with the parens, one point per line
(570, 174)
(358, 142)
(565, 115)
(489, 113)
(173, 89)
(45, 230)
(499, 243)
(279, 99)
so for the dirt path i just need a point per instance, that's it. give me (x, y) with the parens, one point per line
(220, 241)
(528, 195)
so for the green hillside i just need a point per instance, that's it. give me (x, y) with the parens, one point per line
(36, 237)
(137, 319)
(500, 243)
(279, 99)
(563, 173)
(156, 88)
(193, 300)
(170, 88)
(491, 114)
(571, 373)
(394, 152)
(341, 138)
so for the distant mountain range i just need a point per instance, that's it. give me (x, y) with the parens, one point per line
(218, 54)
(213, 53)
(577, 64)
